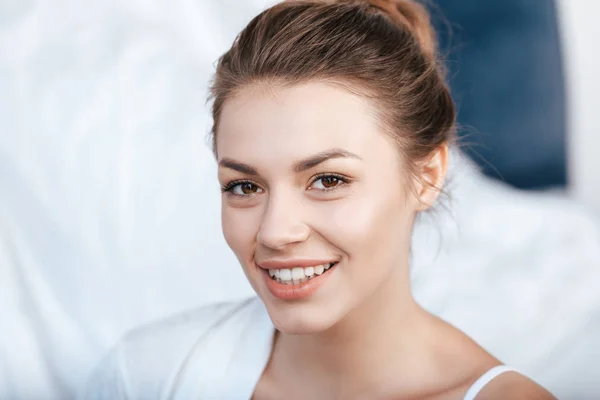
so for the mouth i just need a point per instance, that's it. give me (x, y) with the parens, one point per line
(298, 275)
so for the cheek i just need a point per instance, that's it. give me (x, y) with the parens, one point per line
(240, 228)
(368, 227)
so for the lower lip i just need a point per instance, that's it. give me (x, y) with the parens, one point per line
(296, 292)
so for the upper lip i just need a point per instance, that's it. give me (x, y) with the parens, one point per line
(291, 263)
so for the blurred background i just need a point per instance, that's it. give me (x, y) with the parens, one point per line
(109, 204)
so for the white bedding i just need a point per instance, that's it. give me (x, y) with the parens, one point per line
(109, 206)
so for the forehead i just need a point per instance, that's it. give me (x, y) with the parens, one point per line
(262, 123)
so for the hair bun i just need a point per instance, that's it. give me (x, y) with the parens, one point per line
(414, 17)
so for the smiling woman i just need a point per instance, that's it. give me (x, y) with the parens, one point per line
(332, 122)
(320, 184)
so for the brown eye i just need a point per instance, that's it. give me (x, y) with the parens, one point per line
(248, 188)
(329, 181)
(242, 189)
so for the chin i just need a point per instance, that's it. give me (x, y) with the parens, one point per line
(301, 319)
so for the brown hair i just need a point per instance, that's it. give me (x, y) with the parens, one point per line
(382, 49)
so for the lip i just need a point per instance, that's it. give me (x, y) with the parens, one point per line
(299, 291)
(291, 263)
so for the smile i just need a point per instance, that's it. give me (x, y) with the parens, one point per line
(297, 275)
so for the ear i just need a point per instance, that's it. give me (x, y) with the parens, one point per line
(431, 174)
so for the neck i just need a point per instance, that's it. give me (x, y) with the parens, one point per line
(380, 338)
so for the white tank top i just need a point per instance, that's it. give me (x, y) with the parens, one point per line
(485, 379)
(216, 352)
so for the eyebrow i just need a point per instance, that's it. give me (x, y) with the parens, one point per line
(238, 166)
(300, 166)
(323, 156)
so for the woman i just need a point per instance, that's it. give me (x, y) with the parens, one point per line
(332, 122)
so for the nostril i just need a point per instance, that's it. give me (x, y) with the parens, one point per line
(277, 236)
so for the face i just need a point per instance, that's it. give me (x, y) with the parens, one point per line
(315, 205)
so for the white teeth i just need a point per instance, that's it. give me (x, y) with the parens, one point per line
(297, 273)
(285, 274)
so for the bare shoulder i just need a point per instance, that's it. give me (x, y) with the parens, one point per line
(512, 385)
(469, 362)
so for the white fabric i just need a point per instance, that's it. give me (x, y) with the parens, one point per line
(485, 379)
(216, 352)
(109, 206)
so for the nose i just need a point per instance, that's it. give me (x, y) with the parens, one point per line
(282, 223)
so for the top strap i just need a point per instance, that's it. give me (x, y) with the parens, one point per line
(485, 379)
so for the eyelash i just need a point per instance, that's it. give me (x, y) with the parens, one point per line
(343, 181)
(228, 188)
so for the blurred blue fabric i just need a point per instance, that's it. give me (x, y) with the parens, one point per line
(506, 76)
